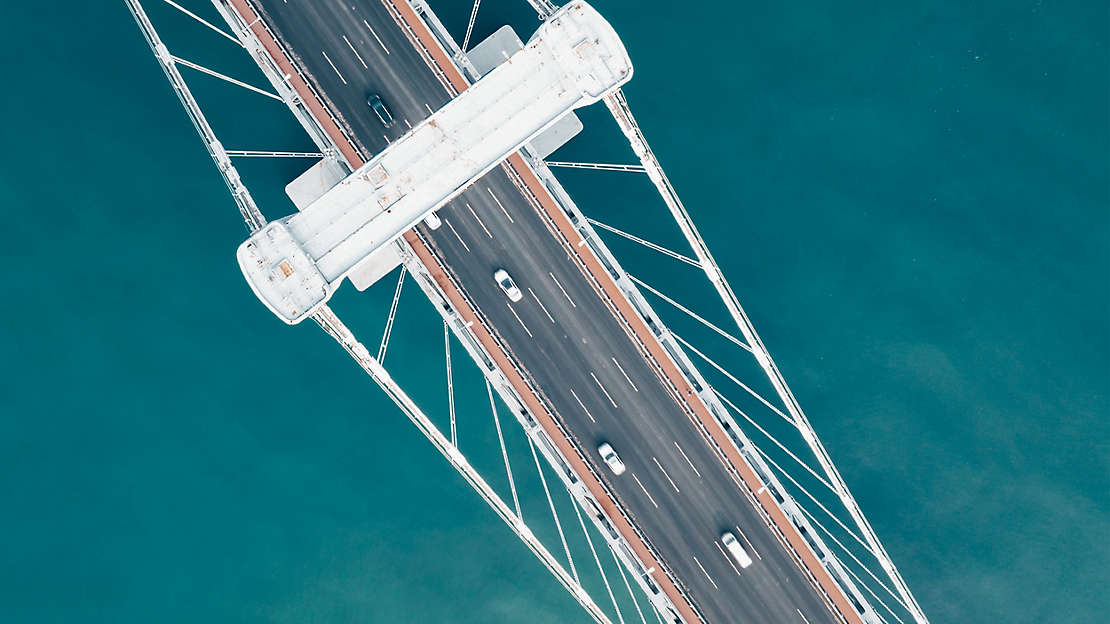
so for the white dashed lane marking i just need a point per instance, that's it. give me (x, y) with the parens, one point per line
(626, 377)
(357, 55)
(645, 490)
(564, 290)
(328, 59)
(583, 406)
(542, 307)
(379, 39)
(706, 573)
(598, 382)
(660, 466)
(484, 229)
(687, 459)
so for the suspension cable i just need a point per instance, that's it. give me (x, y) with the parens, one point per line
(203, 21)
(772, 438)
(470, 25)
(392, 314)
(504, 453)
(272, 154)
(627, 585)
(860, 564)
(732, 378)
(551, 504)
(733, 339)
(596, 166)
(204, 70)
(812, 498)
(645, 243)
(450, 382)
(597, 560)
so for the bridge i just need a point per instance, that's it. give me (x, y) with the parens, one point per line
(583, 357)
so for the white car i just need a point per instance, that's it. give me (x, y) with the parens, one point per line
(735, 549)
(508, 285)
(432, 221)
(611, 458)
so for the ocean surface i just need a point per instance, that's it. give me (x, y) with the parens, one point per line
(910, 198)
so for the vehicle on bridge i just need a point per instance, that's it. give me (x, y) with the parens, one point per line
(433, 221)
(376, 105)
(735, 549)
(611, 458)
(508, 285)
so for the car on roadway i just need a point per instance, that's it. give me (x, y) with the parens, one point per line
(374, 101)
(610, 457)
(501, 276)
(735, 549)
(433, 221)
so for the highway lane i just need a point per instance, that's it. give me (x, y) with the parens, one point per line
(571, 346)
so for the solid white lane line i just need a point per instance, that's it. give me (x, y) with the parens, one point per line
(333, 66)
(727, 558)
(357, 55)
(749, 543)
(626, 377)
(457, 234)
(542, 307)
(603, 389)
(368, 27)
(660, 466)
(510, 306)
(801, 615)
(479, 220)
(705, 573)
(687, 459)
(572, 304)
(645, 490)
(499, 204)
(583, 406)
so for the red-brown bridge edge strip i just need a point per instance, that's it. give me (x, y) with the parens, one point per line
(532, 402)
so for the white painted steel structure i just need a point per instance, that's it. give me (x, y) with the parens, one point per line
(328, 321)
(574, 59)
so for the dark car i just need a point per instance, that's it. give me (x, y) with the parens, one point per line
(376, 105)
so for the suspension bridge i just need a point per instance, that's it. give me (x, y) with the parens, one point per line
(458, 185)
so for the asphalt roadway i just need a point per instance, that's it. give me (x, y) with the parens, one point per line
(570, 345)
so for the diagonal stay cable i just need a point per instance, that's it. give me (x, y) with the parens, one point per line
(646, 243)
(504, 453)
(392, 315)
(627, 585)
(551, 504)
(861, 565)
(732, 378)
(203, 21)
(597, 560)
(239, 83)
(450, 382)
(733, 339)
(772, 438)
(470, 25)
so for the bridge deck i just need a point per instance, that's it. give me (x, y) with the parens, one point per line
(567, 339)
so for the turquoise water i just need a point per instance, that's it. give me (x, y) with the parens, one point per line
(912, 201)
